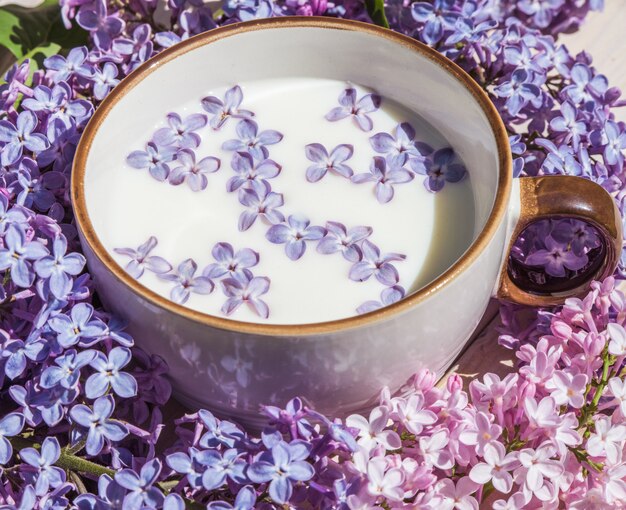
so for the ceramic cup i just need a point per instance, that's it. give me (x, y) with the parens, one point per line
(232, 367)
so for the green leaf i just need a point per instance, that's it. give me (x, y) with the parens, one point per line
(376, 11)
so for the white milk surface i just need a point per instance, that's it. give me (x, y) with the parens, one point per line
(432, 230)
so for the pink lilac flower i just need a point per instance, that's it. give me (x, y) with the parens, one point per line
(294, 235)
(536, 466)
(388, 296)
(250, 171)
(244, 290)
(22, 135)
(496, 468)
(385, 176)
(195, 174)
(607, 439)
(346, 241)
(231, 264)
(260, 201)
(614, 484)
(357, 110)
(384, 482)
(568, 389)
(414, 415)
(617, 339)
(324, 162)
(186, 282)
(10, 425)
(556, 258)
(251, 141)
(617, 390)
(181, 133)
(108, 374)
(480, 433)
(154, 158)
(399, 147)
(142, 260)
(97, 423)
(374, 432)
(229, 107)
(434, 450)
(376, 264)
(457, 496)
(47, 475)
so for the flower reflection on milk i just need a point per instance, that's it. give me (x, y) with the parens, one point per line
(308, 216)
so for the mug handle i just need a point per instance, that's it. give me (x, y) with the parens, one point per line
(564, 196)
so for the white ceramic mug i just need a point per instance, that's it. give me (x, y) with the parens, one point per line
(339, 367)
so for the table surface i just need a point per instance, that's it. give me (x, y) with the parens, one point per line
(602, 35)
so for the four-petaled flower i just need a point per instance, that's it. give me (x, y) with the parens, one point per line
(78, 326)
(235, 265)
(357, 110)
(518, 92)
(617, 339)
(48, 475)
(398, 147)
(103, 27)
(383, 481)
(58, 267)
(246, 290)
(436, 17)
(67, 371)
(249, 171)
(141, 486)
(10, 425)
(222, 110)
(555, 258)
(18, 253)
(220, 467)
(141, 259)
(260, 201)
(16, 138)
(65, 67)
(439, 168)
(282, 466)
(294, 235)
(154, 158)
(535, 465)
(340, 239)
(388, 296)
(374, 432)
(251, 141)
(109, 374)
(104, 80)
(374, 263)
(186, 283)
(607, 439)
(245, 500)
(98, 423)
(385, 175)
(324, 162)
(192, 465)
(194, 173)
(181, 133)
(496, 467)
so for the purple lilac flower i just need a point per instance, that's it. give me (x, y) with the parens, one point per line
(556, 258)
(10, 425)
(339, 239)
(33, 189)
(385, 176)
(439, 169)
(17, 255)
(251, 141)
(333, 163)
(388, 296)
(518, 92)
(194, 173)
(47, 474)
(559, 160)
(186, 283)
(248, 171)
(98, 424)
(283, 466)
(56, 102)
(16, 138)
(65, 67)
(436, 17)
(154, 158)
(231, 264)
(258, 9)
(577, 234)
(568, 124)
(14, 84)
(229, 107)
(141, 486)
(375, 264)
(104, 80)
(62, 148)
(308, 7)
(222, 466)
(103, 27)
(294, 235)
(15, 352)
(219, 432)
(141, 259)
(138, 49)
(108, 374)
(191, 465)
(78, 326)
(59, 267)
(260, 201)
(28, 500)
(9, 215)
(397, 147)
(357, 110)
(245, 500)
(585, 87)
(240, 290)
(614, 141)
(67, 370)
(542, 12)
(181, 133)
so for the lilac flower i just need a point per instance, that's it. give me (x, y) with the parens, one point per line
(141, 259)
(518, 92)
(56, 102)
(219, 432)
(397, 147)
(245, 500)
(577, 234)
(154, 158)
(16, 138)
(560, 159)
(248, 171)
(436, 17)
(68, 369)
(220, 467)
(9, 215)
(569, 125)
(17, 255)
(294, 235)
(10, 425)
(340, 239)
(385, 177)
(28, 500)
(556, 258)
(181, 133)
(16, 352)
(33, 189)
(248, 291)
(614, 142)
(109, 374)
(388, 296)
(375, 264)
(66, 67)
(141, 486)
(48, 475)
(186, 283)
(78, 326)
(103, 27)
(282, 466)
(496, 467)
(222, 110)
(192, 465)
(259, 9)
(333, 163)
(585, 87)
(374, 431)
(192, 172)
(251, 141)
(231, 264)
(138, 49)
(260, 201)
(541, 12)
(357, 110)
(98, 424)
(439, 169)
(59, 267)
(104, 79)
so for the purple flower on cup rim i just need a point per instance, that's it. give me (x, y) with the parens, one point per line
(340, 239)
(229, 107)
(375, 264)
(357, 110)
(244, 290)
(186, 283)
(195, 174)
(181, 133)
(385, 176)
(294, 235)
(251, 141)
(324, 162)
